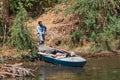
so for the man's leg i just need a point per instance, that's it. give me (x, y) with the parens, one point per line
(43, 36)
(40, 37)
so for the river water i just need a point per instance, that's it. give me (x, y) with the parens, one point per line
(107, 68)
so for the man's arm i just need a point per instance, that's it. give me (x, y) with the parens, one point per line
(38, 30)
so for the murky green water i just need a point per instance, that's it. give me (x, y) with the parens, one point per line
(96, 69)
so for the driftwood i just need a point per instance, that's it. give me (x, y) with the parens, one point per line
(15, 70)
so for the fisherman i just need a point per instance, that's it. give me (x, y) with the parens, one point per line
(41, 31)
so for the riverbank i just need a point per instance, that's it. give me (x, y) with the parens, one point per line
(34, 64)
(101, 54)
(13, 53)
(12, 59)
(13, 56)
(48, 71)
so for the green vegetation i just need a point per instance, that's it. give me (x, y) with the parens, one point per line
(1, 59)
(63, 1)
(20, 37)
(101, 21)
(57, 10)
(38, 5)
(1, 27)
(31, 56)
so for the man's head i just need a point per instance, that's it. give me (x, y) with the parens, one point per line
(40, 22)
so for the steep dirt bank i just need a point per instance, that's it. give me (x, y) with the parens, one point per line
(59, 25)
(57, 22)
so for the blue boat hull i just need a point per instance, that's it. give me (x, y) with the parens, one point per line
(63, 63)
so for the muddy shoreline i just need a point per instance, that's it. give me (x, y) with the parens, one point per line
(12, 60)
(100, 54)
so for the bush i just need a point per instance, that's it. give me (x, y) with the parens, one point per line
(77, 35)
(101, 19)
(77, 38)
(31, 5)
(20, 36)
(63, 1)
(31, 56)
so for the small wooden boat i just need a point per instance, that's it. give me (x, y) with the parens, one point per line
(61, 57)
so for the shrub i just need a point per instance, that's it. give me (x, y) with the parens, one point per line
(31, 5)
(20, 36)
(101, 20)
(77, 38)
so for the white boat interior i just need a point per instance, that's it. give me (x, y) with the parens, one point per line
(63, 57)
(59, 54)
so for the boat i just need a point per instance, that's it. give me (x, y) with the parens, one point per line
(61, 57)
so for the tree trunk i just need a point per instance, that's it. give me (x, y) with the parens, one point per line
(4, 11)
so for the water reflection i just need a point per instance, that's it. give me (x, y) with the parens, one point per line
(56, 71)
(95, 69)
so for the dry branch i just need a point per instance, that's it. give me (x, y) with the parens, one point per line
(15, 70)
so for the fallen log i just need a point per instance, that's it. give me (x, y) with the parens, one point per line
(13, 65)
(15, 70)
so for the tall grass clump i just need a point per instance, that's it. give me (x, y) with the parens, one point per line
(101, 19)
(20, 36)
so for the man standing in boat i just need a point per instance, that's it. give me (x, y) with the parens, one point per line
(41, 31)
